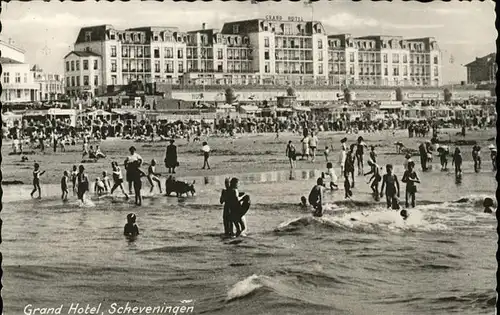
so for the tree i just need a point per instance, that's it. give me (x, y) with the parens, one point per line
(230, 97)
(447, 95)
(347, 95)
(290, 91)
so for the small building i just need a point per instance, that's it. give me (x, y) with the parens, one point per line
(482, 70)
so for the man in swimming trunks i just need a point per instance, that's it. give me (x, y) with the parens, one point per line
(410, 177)
(390, 182)
(316, 197)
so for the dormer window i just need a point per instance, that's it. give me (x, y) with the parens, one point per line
(236, 29)
(88, 36)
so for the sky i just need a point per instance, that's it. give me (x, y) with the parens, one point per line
(48, 30)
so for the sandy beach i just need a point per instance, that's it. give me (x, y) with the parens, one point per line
(245, 153)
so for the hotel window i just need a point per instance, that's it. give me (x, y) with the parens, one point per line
(156, 52)
(18, 93)
(169, 52)
(236, 29)
(169, 66)
(113, 79)
(67, 66)
(85, 80)
(68, 81)
(219, 54)
(320, 55)
(386, 70)
(395, 58)
(18, 77)
(72, 81)
(266, 42)
(385, 57)
(125, 51)
(395, 71)
(78, 81)
(320, 44)
(85, 65)
(435, 60)
(77, 65)
(113, 51)
(266, 55)
(6, 77)
(405, 58)
(157, 66)
(96, 80)
(72, 65)
(436, 71)
(351, 57)
(25, 78)
(113, 65)
(320, 68)
(139, 51)
(95, 65)
(88, 36)
(180, 67)
(351, 69)
(405, 70)
(179, 53)
(267, 68)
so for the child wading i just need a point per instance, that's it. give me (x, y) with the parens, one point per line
(333, 177)
(82, 183)
(390, 181)
(375, 179)
(410, 177)
(117, 179)
(291, 154)
(476, 157)
(131, 229)
(36, 180)
(153, 176)
(457, 161)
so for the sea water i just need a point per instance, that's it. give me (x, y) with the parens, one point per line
(359, 258)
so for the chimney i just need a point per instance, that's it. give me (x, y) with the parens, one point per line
(203, 25)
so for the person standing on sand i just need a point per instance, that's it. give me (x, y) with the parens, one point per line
(291, 154)
(305, 147)
(171, 157)
(206, 154)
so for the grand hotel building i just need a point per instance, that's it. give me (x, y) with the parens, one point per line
(269, 51)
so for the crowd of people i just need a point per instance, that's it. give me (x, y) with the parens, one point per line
(352, 157)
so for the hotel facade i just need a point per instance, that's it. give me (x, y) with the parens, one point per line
(270, 51)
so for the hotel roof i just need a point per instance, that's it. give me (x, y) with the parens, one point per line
(83, 54)
(5, 60)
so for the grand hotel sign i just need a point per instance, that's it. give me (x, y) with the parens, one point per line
(280, 18)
